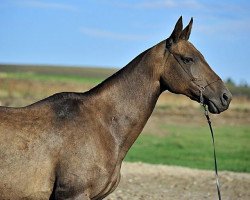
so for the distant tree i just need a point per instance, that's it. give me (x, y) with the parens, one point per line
(243, 84)
(230, 82)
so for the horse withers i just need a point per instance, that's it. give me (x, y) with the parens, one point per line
(71, 145)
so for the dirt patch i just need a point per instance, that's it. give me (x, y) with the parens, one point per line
(145, 181)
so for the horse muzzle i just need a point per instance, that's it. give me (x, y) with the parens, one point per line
(218, 105)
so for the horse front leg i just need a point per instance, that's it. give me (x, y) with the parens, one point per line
(81, 196)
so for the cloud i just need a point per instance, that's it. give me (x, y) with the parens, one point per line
(111, 35)
(159, 4)
(46, 5)
(231, 28)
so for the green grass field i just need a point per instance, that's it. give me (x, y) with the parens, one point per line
(183, 145)
(191, 146)
(62, 74)
(51, 77)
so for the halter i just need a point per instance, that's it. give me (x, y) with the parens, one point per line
(194, 80)
(201, 90)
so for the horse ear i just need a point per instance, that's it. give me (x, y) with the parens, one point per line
(187, 31)
(177, 30)
(174, 37)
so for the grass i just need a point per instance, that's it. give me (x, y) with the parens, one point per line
(51, 77)
(88, 75)
(192, 147)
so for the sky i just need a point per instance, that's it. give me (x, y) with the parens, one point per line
(110, 33)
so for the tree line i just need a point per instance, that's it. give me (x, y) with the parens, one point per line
(241, 89)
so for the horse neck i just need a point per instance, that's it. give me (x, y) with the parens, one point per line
(128, 98)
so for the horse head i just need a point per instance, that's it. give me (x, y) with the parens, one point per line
(187, 72)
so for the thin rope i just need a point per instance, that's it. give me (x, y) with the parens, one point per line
(212, 134)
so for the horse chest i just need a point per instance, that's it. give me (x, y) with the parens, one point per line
(96, 182)
(105, 183)
(110, 185)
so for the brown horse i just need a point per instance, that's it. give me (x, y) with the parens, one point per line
(71, 145)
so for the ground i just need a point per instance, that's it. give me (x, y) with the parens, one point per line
(145, 181)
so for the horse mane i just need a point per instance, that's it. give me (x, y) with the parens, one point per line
(120, 73)
(61, 96)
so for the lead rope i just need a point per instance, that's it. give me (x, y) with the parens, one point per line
(212, 133)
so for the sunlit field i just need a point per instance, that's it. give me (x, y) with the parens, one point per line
(176, 133)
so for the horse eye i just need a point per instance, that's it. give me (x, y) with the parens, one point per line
(187, 60)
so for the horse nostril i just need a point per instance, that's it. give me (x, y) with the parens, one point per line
(225, 96)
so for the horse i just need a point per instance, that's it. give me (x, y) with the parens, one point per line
(71, 145)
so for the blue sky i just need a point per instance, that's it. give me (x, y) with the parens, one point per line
(110, 33)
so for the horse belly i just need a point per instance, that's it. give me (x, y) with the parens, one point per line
(26, 168)
(31, 181)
